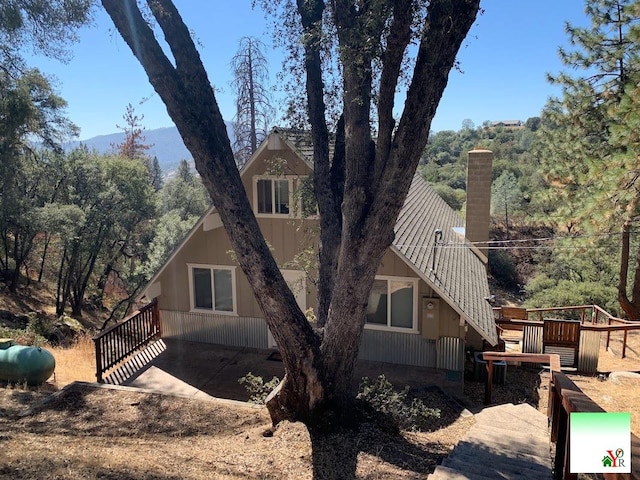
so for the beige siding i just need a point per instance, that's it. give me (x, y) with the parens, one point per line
(287, 237)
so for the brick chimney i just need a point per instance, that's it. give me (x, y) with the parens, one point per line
(479, 175)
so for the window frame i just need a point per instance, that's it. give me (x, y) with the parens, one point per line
(388, 327)
(273, 179)
(212, 268)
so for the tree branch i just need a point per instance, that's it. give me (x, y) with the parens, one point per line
(191, 103)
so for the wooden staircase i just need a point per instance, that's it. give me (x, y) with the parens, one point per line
(507, 442)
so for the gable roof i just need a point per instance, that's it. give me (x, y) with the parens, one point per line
(452, 268)
(459, 276)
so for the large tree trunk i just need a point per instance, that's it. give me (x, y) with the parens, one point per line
(356, 220)
(631, 307)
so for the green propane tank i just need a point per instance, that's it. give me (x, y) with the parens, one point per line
(18, 363)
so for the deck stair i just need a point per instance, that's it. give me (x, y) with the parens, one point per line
(506, 442)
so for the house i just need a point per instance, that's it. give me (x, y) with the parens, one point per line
(508, 124)
(429, 297)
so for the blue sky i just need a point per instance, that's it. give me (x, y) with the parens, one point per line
(504, 61)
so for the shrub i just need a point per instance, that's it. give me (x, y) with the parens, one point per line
(568, 292)
(408, 414)
(257, 388)
(24, 337)
(452, 196)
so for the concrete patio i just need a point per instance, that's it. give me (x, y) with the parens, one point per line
(198, 369)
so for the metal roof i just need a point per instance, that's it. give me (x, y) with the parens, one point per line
(452, 269)
(445, 261)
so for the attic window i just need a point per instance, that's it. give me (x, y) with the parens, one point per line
(272, 196)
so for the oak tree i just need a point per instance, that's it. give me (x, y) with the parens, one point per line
(360, 188)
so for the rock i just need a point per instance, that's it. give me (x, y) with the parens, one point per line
(619, 377)
(17, 322)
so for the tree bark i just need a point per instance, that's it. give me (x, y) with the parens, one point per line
(630, 309)
(357, 219)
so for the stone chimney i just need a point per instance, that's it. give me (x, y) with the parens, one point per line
(479, 175)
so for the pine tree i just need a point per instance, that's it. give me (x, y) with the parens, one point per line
(253, 103)
(589, 170)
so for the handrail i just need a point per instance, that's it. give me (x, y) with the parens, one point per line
(588, 322)
(564, 397)
(552, 359)
(123, 339)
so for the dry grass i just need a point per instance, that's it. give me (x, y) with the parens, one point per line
(86, 432)
(77, 363)
(102, 433)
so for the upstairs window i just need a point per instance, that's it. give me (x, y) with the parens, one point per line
(273, 196)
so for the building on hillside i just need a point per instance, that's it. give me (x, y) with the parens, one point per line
(508, 124)
(429, 299)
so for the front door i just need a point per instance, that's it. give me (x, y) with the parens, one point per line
(297, 283)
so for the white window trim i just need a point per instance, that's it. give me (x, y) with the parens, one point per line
(389, 328)
(290, 179)
(234, 293)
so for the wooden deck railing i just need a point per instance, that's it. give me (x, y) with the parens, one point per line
(591, 317)
(125, 338)
(564, 398)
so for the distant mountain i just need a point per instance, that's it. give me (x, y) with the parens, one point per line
(166, 144)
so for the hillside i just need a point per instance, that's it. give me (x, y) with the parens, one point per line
(166, 144)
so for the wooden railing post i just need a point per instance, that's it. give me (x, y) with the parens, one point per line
(624, 343)
(561, 444)
(488, 386)
(98, 349)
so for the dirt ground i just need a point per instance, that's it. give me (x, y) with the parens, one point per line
(88, 432)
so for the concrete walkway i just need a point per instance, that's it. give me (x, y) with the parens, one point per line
(506, 442)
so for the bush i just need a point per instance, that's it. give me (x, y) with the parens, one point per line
(567, 292)
(452, 196)
(257, 388)
(26, 337)
(408, 414)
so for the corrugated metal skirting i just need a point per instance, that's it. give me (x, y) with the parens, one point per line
(567, 354)
(532, 339)
(450, 353)
(376, 345)
(588, 351)
(217, 329)
(397, 347)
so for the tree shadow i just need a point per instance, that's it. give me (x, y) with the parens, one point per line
(82, 410)
(336, 452)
